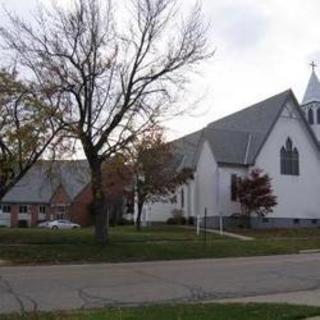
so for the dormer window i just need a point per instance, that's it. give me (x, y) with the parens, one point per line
(289, 159)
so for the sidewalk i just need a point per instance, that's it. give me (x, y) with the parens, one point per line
(230, 234)
(224, 233)
(306, 297)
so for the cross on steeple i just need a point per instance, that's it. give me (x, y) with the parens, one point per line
(313, 65)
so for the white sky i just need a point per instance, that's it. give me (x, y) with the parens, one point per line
(263, 47)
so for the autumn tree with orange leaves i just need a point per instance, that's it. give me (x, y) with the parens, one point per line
(156, 172)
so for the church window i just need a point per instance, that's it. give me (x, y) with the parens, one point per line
(234, 187)
(318, 115)
(310, 116)
(289, 159)
(295, 162)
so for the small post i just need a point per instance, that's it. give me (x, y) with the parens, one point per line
(221, 223)
(198, 225)
(205, 225)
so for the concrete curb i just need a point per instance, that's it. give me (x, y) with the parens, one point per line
(309, 251)
(3, 263)
(306, 298)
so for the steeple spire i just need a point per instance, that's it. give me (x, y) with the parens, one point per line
(312, 93)
(313, 65)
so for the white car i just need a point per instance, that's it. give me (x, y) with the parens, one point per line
(58, 224)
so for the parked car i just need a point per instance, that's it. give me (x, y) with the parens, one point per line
(58, 224)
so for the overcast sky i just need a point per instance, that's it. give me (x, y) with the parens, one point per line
(263, 47)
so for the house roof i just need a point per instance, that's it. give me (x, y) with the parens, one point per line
(238, 138)
(42, 180)
(312, 93)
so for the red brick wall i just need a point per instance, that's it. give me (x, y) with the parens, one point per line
(79, 210)
(14, 215)
(60, 196)
(34, 209)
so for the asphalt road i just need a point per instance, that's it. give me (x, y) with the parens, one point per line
(294, 278)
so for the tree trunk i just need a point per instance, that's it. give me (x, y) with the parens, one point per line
(138, 220)
(245, 218)
(99, 204)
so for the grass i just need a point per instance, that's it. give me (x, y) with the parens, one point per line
(184, 312)
(86, 236)
(38, 246)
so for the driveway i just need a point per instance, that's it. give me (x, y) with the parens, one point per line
(98, 285)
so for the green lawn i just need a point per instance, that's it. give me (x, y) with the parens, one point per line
(34, 246)
(86, 235)
(184, 312)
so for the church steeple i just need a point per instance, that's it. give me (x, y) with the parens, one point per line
(312, 93)
(311, 102)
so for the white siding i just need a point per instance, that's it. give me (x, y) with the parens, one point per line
(206, 182)
(5, 219)
(160, 211)
(227, 206)
(298, 196)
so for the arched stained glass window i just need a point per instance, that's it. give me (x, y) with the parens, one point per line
(295, 162)
(289, 144)
(289, 159)
(283, 163)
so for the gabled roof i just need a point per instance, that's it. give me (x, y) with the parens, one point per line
(238, 138)
(186, 148)
(42, 180)
(312, 93)
(233, 147)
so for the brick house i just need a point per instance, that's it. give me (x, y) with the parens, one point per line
(59, 190)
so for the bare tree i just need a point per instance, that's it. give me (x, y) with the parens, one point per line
(113, 71)
(27, 129)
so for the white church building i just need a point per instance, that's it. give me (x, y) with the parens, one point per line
(279, 136)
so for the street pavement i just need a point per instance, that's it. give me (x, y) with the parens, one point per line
(290, 278)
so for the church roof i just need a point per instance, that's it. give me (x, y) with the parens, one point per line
(186, 148)
(312, 93)
(237, 138)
